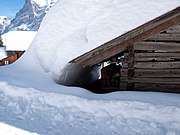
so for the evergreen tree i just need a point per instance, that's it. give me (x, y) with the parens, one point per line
(1, 43)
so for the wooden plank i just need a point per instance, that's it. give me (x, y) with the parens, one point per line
(152, 80)
(148, 73)
(157, 46)
(157, 87)
(123, 85)
(155, 65)
(175, 29)
(165, 37)
(157, 56)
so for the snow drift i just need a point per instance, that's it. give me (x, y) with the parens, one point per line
(83, 25)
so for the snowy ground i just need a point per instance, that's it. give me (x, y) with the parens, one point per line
(130, 113)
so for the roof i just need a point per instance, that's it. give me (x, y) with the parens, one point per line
(119, 44)
(18, 40)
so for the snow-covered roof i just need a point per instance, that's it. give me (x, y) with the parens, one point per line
(80, 26)
(18, 40)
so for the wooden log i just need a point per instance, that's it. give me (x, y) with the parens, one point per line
(175, 29)
(130, 62)
(149, 73)
(152, 80)
(157, 46)
(152, 87)
(155, 65)
(165, 37)
(157, 56)
(158, 87)
(123, 85)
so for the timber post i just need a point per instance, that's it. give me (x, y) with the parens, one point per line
(130, 62)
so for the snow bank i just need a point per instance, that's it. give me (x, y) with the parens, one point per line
(72, 28)
(49, 113)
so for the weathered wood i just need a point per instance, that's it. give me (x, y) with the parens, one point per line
(119, 44)
(156, 56)
(152, 87)
(155, 65)
(175, 29)
(165, 37)
(158, 87)
(156, 73)
(130, 62)
(157, 46)
(123, 85)
(152, 80)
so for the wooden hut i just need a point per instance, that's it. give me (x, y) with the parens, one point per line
(16, 43)
(145, 58)
(11, 59)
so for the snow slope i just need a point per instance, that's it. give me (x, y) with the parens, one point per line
(32, 101)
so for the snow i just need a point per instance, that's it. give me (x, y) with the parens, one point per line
(2, 53)
(78, 30)
(18, 40)
(9, 130)
(42, 3)
(30, 99)
(53, 114)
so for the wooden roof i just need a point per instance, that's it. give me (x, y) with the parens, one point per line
(120, 44)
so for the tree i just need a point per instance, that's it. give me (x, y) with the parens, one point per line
(1, 43)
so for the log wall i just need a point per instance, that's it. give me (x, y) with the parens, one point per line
(153, 64)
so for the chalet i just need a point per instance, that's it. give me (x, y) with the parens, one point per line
(146, 58)
(16, 43)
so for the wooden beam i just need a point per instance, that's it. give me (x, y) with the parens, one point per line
(157, 46)
(158, 87)
(150, 73)
(155, 65)
(165, 37)
(157, 56)
(175, 29)
(152, 80)
(152, 87)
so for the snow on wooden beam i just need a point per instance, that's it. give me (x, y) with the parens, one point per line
(120, 44)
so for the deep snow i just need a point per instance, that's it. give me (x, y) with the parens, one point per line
(57, 114)
(32, 101)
